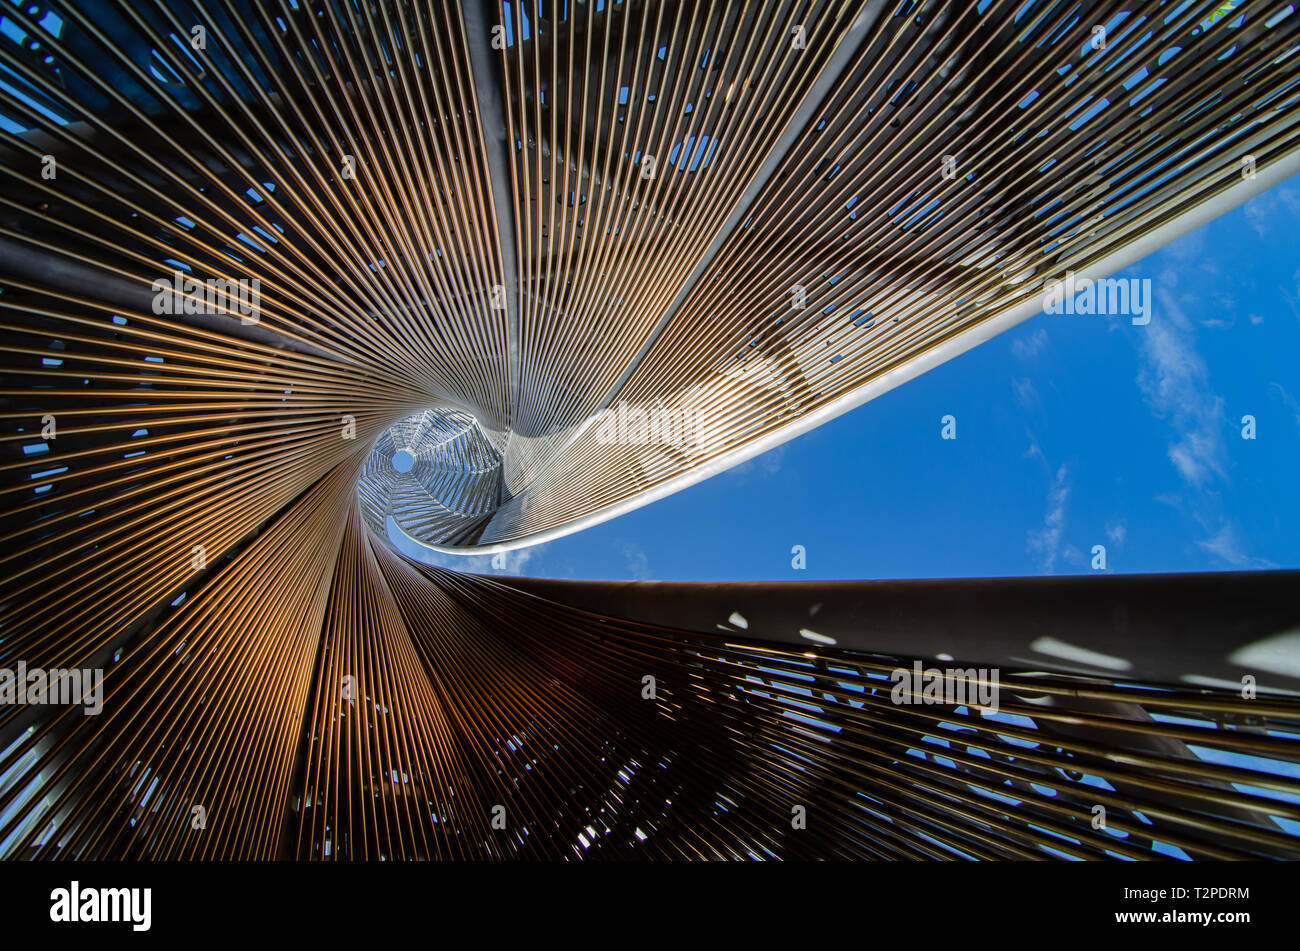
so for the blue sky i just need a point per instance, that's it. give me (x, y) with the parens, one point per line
(1072, 431)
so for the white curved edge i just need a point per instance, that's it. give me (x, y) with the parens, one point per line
(1130, 253)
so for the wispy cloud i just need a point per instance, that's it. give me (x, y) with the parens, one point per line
(1291, 295)
(1257, 215)
(1026, 392)
(1174, 381)
(1025, 348)
(1116, 533)
(1277, 207)
(638, 565)
(1288, 401)
(1045, 543)
(1226, 545)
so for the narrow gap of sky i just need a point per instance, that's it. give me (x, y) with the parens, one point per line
(1072, 432)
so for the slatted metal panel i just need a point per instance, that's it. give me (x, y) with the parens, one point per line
(446, 230)
(321, 697)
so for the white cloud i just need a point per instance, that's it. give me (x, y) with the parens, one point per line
(1045, 543)
(1117, 532)
(1174, 381)
(638, 566)
(1026, 392)
(1277, 206)
(1257, 215)
(1288, 401)
(1026, 347)
(1225, 544)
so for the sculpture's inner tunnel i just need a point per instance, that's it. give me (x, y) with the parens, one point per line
(437, 474)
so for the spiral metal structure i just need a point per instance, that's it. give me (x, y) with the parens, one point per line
(279, 280)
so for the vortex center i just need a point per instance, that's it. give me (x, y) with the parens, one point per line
(403, 460)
